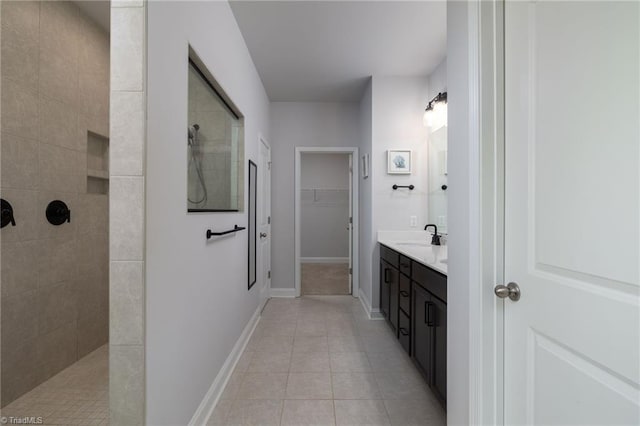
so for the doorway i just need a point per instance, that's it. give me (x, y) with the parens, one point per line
(326, 221)
(56, 187)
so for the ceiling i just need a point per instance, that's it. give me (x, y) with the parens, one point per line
(325, 50)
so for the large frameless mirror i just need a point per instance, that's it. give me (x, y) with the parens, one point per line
(215, 145)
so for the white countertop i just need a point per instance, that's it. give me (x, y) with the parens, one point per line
(417, 246)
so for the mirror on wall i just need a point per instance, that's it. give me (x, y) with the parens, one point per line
(215, 145)
(437, 204)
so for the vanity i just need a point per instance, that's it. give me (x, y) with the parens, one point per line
(413, 300)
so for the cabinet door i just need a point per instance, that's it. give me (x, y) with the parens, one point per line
(439, 350)
(420, 330)
(394, 280)
(384, 288)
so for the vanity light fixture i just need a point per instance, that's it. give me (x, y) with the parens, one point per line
(435, 115)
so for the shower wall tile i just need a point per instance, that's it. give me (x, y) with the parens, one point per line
(126, 385)
(17, 269)
(58, 263)
(127, 212)
(21, 21)
(127, 133)
(126, 216)
(18, 311)
(93, 94)
(127, 303)
(127, 38)
(56, 306)
(58, 123)
(93, 49)
(19, 110)
(23, 66)
(58, 77)
(19, 162)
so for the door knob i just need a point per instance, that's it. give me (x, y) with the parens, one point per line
(511, 290)
(263, 235)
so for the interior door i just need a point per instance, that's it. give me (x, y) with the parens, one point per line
(572, 212)
(264, 219)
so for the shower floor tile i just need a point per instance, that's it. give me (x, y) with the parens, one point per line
(78, 395)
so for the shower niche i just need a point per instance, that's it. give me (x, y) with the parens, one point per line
(97, 163)
(215, 144)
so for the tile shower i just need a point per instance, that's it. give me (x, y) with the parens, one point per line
(54, 146)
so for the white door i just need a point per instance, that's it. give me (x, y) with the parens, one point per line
(350, 224)
(572, 217)
(264, 219)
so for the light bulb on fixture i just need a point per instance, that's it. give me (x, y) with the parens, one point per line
(440, 115)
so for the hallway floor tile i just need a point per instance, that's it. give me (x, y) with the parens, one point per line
(318, 360)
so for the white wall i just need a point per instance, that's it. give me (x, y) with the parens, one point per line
(398, 105)
(324, 214)
(310, 124)
(437, 80)
(367, 234)
(197, 303)
(463, 184)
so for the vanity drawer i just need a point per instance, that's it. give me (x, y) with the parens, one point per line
(431, 280)
(405, 295)
(405, 265)
(389, 255)
(404, 331)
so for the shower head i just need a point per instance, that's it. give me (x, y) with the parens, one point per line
(192, 132)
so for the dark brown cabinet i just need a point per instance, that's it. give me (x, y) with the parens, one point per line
(389, 294)
(413, 301)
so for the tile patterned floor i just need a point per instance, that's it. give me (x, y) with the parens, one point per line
(318, 360)
(325, 278)
(78, 395)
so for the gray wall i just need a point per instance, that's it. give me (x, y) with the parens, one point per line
(197, 302)
(324, 209)
(55, 88)
(300, 124)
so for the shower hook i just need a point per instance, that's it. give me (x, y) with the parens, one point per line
(7, 214)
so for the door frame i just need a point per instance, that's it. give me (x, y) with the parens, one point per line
(265, 286)
(475, 78)
(354, 200)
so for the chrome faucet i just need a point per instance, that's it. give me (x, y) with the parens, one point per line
(435, 240)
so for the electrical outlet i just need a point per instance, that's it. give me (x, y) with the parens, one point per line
(413, 222)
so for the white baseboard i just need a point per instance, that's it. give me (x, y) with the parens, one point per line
(324, 260)
(208, 404)
(373, 314)
(283, 292)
